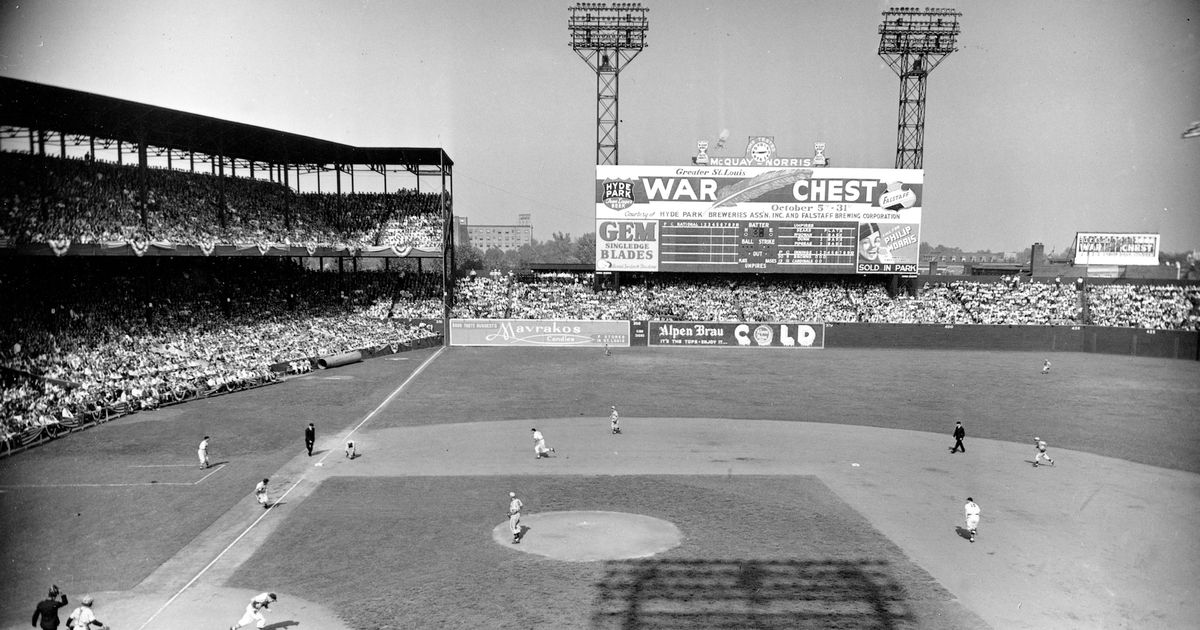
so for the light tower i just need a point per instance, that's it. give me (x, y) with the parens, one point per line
(607, 37)
(913, 42)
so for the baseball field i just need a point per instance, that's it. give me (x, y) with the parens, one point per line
(749, 489)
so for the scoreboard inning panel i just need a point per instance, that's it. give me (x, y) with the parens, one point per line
(757, 219)
(749, 246)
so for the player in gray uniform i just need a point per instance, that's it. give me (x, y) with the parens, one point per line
(514, 517)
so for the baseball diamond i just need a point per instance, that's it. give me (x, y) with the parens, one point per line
(798, 501)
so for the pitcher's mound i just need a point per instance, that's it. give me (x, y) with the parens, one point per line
(588, 536)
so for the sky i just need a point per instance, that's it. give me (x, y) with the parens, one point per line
(1051, 118)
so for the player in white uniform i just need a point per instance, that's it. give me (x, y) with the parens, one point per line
(202, 453)
(1041, 452)
(972, 513)
(615, 419)
(539, 445)
(254, 611)
(1046, 366)
(260, 493)
(514, 517)
(82, 618)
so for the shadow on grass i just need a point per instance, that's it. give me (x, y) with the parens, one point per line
(710, 594)
(281, 625)
(963, 533)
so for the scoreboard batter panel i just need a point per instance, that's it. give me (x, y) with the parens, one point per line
(758, 220)
(758, 246)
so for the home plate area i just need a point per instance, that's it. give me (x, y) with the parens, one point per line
(586, 536)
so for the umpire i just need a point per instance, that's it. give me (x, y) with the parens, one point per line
(959, 434)
(47, 609)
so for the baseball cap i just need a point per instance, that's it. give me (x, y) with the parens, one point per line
(272, 596)
(87, 600)
(512, 494)
(970, 499)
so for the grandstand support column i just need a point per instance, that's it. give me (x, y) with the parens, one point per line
(447, 212)
(143, 186)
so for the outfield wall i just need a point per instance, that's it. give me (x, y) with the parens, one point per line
(1142, 342)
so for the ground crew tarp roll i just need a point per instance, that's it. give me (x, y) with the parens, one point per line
(345, 358)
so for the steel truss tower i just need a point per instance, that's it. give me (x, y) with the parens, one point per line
(913, 42)
(607, 37)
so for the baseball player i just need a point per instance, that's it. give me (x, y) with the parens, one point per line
(254, 611)
(1046, 366)
(1041, 452)
(83, 618)
(615, 418)
(202, 453)
(539, 445)
(260, 493)
(351, 452)
(972, 513)
(514, 517)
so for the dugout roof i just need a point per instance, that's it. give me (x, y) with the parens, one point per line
(48, 108)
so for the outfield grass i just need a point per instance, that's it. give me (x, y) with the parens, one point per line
(1134, 408)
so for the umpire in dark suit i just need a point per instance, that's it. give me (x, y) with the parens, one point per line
(47, 610)
(310, 437)
(959, 434)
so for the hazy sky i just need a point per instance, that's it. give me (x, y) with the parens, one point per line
(1052, 117)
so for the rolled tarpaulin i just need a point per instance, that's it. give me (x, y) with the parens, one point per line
(345, 358)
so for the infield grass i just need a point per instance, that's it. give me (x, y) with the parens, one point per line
(758, 552)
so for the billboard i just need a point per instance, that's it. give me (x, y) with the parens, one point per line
(538, 332)
(1116, 248)
(758, 219)
(736, 334)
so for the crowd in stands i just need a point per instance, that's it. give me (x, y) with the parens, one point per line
(44, 199)
(87, 337)
(670, 297)
(83, 338)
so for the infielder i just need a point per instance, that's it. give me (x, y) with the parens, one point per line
(972, 513)
(260, 493)
(615, 419)
(539, 445)
(202, 453)
(514, 517)
(254, 611)
(1041, 452)
(1046, 366)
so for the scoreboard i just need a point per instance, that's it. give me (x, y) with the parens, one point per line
(758, 219)
(755, 245)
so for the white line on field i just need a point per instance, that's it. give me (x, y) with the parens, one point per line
(160, 465)
(117, 485)
(267, 511)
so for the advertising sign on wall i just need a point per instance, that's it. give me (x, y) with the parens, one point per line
(538, 332)
(737, 334)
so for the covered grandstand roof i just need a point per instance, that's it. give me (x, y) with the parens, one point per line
(48, 108)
